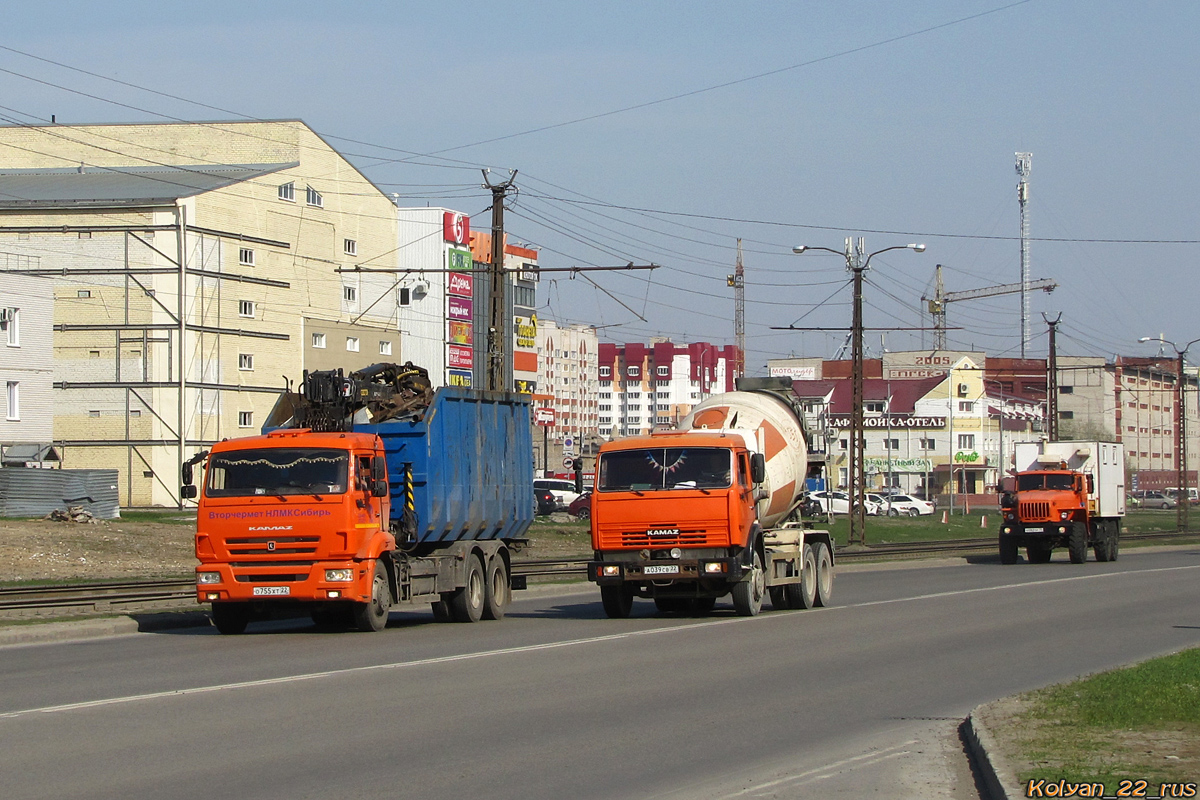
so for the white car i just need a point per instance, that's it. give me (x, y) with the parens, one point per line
(839, 503)
(896, 504)
(563, 490)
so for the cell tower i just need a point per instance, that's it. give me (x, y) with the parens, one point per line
(738, 281)
(1024, 163)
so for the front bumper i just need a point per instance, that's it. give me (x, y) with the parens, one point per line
(613, 572)
(267, 582)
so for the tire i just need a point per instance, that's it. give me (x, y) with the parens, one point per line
(497, 595)
(466, 604)
(372, 616)
(1038, 553)
(802, 595)
(617, 601)
(912, 512)
(1008, 549)
(231, 619)
(748, 594)
(1114, 541)
(779, 598)
(1100, 542)
(1077, 543)
(584, 513)
(441, 609)
(824, 594)
(893, 512)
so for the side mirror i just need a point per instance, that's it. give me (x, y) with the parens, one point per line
(379, 468)
(187, 491)
(758, 468)
(379, 488)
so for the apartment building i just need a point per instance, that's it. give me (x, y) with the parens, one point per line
(26, 360)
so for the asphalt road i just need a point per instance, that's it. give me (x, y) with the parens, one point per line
(557, 701)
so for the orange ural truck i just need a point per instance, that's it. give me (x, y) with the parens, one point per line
(344, 524)
(1065, 494)
(685, 517)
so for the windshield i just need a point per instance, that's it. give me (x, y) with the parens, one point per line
(1038, 480)
(275, 471)
(666, 468)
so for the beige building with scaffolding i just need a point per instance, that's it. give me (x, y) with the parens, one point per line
(195, 268)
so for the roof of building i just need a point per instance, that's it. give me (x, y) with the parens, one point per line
(905, 392)
(83, 187)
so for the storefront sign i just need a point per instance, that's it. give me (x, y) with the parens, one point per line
(522, 386)
(526, 331)
(459, 308)
(894, 422)
(458, 332)
(457, 283)
(458, 377)
(456, 227)
(882, 465)
(970, 458)
(459, 357)
(795, 373)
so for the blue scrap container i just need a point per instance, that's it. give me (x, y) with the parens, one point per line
(471, 457)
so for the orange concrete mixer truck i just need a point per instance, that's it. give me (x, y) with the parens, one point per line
(687, 516)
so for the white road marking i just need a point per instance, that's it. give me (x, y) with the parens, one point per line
(285, 679)
(826, 771)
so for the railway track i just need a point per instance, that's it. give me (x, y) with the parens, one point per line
(123, 597)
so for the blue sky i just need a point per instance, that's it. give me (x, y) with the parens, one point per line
(883, 128)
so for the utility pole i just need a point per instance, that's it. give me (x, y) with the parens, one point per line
(858, 510)
(1052, 380)
(738, 281)
(1182, 501)
(497, 346)
(1024, 164)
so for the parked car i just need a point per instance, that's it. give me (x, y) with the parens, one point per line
(581, 508)
(1152, 499)
(546, 502)
(562, 489)
(896, 504)
(839, 503)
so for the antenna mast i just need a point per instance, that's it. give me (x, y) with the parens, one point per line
(738, 281)
(1024, 164)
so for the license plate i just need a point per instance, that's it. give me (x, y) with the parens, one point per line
(269, 591)
(1035, 530)
(661, 569)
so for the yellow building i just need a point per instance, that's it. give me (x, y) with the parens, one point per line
(196, 267)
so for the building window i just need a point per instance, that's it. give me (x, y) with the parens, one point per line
(664, 371)
(928, 444)
(13, 412)
(318, 341)
(245, 361)
(891, 444)
(287, 192)
(966, 406)
(350, 247)
(663, 420)
(405, 296)
(245, 419)
(966, 441)
(352, 344)
(246, 308)
(350, 294)
(83, 293)
(1066, 390)
(633, 372)
(313, 197)
(844, 444)
(606, 372)
(135, 412)
(1066, 415)
(10, 319)
(385, 348)
(246, 256)
(873, 407)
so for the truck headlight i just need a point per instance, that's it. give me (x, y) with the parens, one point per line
(1062, 515)
(339, 575)
(676, 552)
(208, 577)
(610, 570)
(715, 567)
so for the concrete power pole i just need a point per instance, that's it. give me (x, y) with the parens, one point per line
(738, 281)
(497, 344)
(1052, 380)
(1024, 164)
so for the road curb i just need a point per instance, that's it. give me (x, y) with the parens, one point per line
(71, 630)
(992, 769)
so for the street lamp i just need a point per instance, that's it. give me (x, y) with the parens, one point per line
(1182, 501)
(857, 263)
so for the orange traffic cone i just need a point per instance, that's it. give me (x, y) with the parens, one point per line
(945, 517)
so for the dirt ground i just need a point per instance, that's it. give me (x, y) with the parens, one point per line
(42, 550)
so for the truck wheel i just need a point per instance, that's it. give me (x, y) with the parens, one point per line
(1114, 541)
(824, 594)
(617, 600)
(466, 603)
(1008, 549)
(1077, 543)
(373, 615)
(804, 593)
(779, 598)
(1038, 553)
(230, 618)
(441, 609)
(748, 594)
(498, 596)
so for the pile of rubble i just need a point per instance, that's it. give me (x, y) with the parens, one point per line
(72, 514)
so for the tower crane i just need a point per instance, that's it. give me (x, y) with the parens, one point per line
(937, 303)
